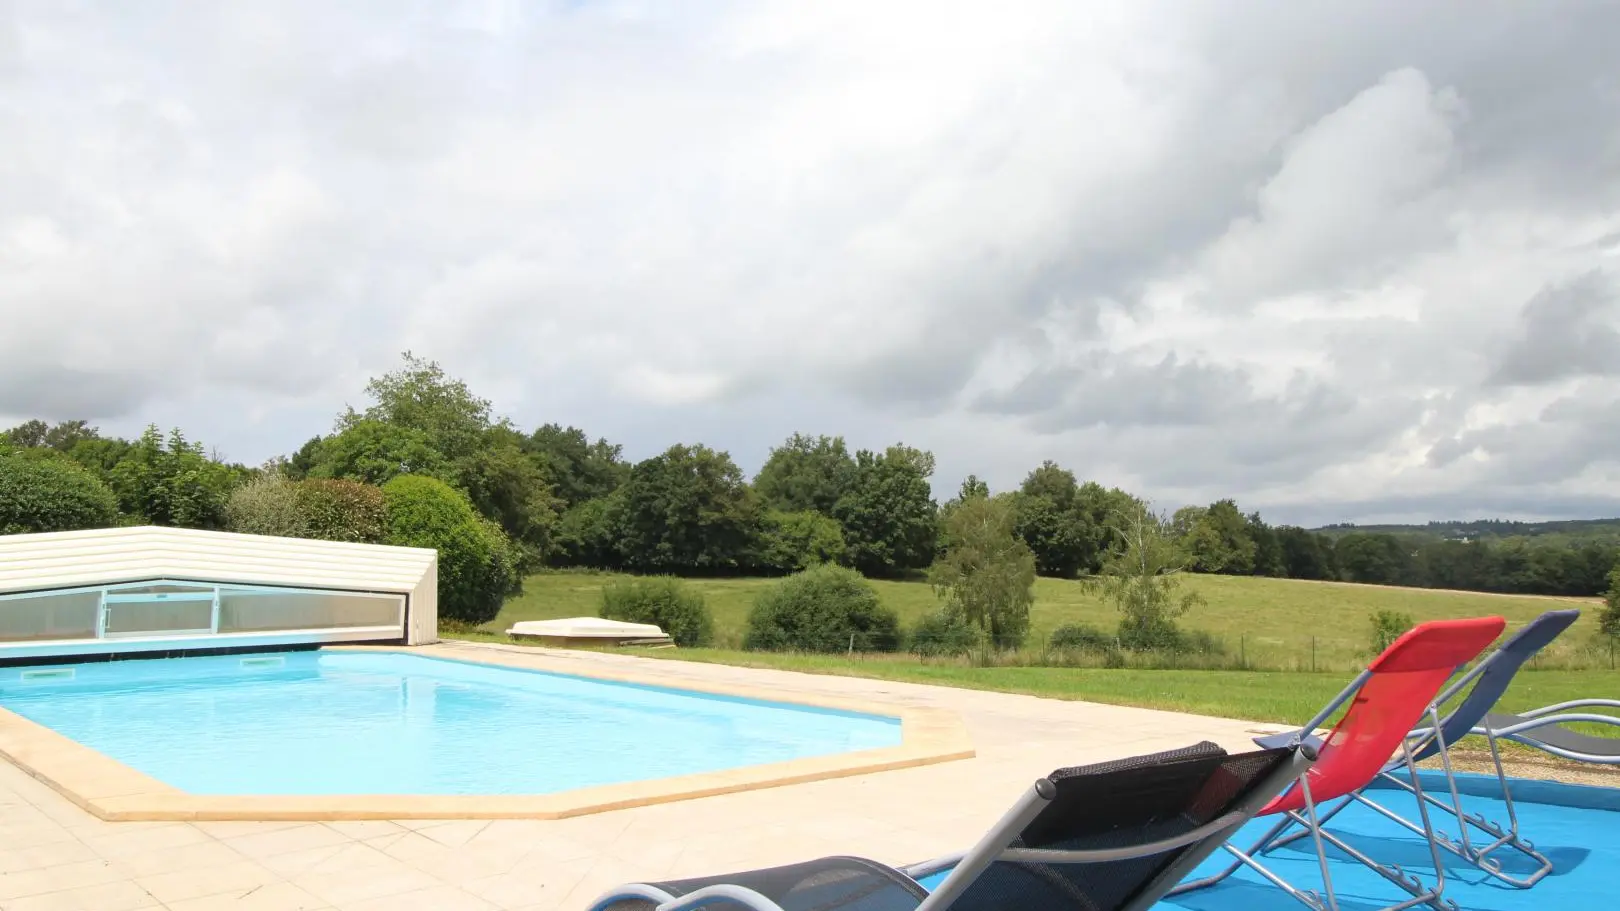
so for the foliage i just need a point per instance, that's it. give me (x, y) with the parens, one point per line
(943, 634)
(1609, 619)
(373, 452)
(578, 469)
(791, 541)
(51, 494)
(806, 473)
(687, 509)
(1217, 539)
(888, 513)
(1065, 523)
(1305, 555)
(822, 609)
(1082, 637)
(172, 482)
(1378, 559)
(37, 434)
(1142, 579)
(267, 505)
(476, 569)
(1387, 626)
(510, 486)
(664, 601)
(421, 397)
(987, 575)
(588, 534)
(337, 509)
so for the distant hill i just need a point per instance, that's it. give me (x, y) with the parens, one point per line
(1487, 529)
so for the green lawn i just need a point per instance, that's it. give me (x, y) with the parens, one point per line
(1279, 624)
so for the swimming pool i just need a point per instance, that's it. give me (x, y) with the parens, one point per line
(358, 723)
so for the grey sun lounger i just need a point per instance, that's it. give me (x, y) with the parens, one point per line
(1544, 729)
(1484, 684)
(1109, 837)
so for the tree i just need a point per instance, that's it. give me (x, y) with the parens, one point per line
(421, 397)
(266, 505)
(687, 509)
(476, 570)
(888, 514)
(806, 473)
(1142, 578)
(51, 494)
(509, 486)
(171, 482)
(373, 452)
(1268, 552)
(987, 575)
(579, 470)
(1218, 540)
(1305, 554)
(1379, 559)
(337, 509)
(62, 437)
(791, 541)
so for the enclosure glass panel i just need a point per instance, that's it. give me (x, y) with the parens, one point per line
(49, 616)
(243, 611)
(159, 616)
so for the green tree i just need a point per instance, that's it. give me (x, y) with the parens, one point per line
(1269, 559)
(337, 509)
(476, 569)
(579, 470)
(171, 482)
(1305, 554)
(1379, 559)
(806, 473)
(1142, 580)
(51, 494)
(421, 397)
(1066, 523)
(372, 452)
(588, 534)
(687, 509)
(791, 541)
(510, 486)
(1218, 540)
(266, 505)
(987, 574)
(889, 516)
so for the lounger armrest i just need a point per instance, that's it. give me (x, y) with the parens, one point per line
(632, 891)
(1573, 704)
(1147, 849)
(1530, 724)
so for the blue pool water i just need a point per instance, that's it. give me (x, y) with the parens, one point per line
(390, 723)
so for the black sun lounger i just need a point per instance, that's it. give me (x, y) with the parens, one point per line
(1109, 837)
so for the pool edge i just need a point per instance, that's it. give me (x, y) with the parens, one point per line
(112, 791)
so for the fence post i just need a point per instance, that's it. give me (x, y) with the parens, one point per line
(1313, 654)
(1243, 651)
(852, 645)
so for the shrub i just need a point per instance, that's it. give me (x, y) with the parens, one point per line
(266, 505)
(1082, 637)
(335, 509)
(51, 494)
(822, 609)
(943, 634)
(1387, 626)
(791, 541)
(476, 570)
(662, 600)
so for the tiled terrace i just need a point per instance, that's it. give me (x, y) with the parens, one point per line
(56, 857)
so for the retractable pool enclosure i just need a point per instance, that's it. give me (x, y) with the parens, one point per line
(147, 589)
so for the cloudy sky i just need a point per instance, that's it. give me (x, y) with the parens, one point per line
(1343, 261)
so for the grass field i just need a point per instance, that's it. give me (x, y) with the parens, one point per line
(1265, 624)
(1275, 621)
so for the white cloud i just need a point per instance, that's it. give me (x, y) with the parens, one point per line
(1252, 253)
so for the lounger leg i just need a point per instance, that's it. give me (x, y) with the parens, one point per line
(1243, 858)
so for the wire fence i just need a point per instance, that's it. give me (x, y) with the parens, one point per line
(1240, 651)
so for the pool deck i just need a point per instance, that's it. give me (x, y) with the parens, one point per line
(56, 856)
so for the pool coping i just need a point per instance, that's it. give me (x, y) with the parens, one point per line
(113, 791)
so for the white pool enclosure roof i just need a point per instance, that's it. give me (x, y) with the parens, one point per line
(151, 588)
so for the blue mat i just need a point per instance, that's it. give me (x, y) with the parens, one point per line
(1577, 828)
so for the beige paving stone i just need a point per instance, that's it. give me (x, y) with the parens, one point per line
(274, 897)
(345, 887)
(440, 898)
(283, 841)
(58, 878)
(196, 882)
(23, 855)
(200, 856)
(113, 896)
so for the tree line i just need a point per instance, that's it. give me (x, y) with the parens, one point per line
(552, 496)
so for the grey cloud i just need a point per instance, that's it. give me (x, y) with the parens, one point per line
(59, 392)
(1566, 330)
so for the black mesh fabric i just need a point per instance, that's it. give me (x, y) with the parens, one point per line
(1115, 805)
(844, 883)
